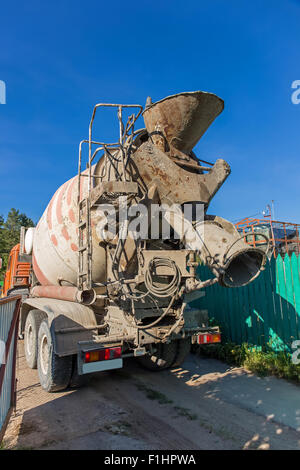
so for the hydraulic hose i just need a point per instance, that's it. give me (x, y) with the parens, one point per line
(165, 290)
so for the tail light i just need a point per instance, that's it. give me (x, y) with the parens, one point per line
(105, 354)
(208, 338)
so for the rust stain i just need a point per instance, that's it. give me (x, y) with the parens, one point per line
(70, 191)
(54, 240)
(72, 215)
(39, 274)
(65, 233)
(49, 211)
(59, 203)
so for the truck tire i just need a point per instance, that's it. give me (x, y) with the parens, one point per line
(31, 330)
(54, 371)
(183, 349)
(163, 358)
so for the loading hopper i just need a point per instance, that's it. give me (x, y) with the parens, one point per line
(183, 118)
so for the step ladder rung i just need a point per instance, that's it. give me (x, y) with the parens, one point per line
(82, 273)
(84, 243)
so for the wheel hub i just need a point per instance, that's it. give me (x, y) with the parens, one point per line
(44, 354)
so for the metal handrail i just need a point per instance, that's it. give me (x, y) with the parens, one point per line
(123, 146)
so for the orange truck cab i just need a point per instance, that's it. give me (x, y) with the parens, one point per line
(17, 276)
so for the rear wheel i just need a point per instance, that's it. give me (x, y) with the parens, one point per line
(162, 358)
(54, 371)
(167, 355)
(32, 325)
(183, 349)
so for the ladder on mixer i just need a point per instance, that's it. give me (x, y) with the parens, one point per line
(84, 245)
(84, 275)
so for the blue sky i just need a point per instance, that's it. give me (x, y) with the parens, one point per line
(59, 58)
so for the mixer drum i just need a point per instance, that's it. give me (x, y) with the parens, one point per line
(55, 244)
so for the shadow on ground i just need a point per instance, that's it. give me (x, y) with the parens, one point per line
(203, 405)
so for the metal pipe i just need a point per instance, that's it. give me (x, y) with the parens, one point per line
(107, 340)
(223, 250)
(196, 285)
(70, 294)
(77, 329)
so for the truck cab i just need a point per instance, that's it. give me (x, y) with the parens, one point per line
(16, 280)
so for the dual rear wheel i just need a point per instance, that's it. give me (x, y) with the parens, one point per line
(55, 373)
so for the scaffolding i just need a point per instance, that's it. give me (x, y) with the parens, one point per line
(283, 236)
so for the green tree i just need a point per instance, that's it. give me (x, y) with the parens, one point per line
(10, 234)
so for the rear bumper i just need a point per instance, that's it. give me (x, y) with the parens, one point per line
(99, 360)
(100, 366)
(109, 362)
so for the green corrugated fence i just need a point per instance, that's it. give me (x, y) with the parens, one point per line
(264, 313)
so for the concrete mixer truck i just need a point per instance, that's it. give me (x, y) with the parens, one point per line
(114, 255)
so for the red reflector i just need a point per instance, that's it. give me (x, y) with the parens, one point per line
(101, 355)
(87, 357)
(117, 353)
(209, 338)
